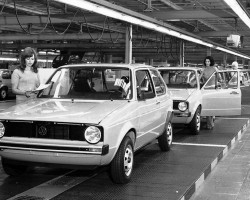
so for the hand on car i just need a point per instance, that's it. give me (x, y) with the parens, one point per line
(30, 93)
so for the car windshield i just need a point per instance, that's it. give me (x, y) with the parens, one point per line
(179, 78)
(96, 83)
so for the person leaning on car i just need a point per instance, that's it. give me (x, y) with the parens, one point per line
(205, 75)
(25, 78)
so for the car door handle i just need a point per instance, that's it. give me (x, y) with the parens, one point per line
(234, 92)
(158, 102)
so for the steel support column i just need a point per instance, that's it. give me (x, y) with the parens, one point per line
(128, 47)
(182, 45)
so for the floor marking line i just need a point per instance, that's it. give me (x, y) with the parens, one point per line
(53, 187)
(246, 105)
(204, 145)
(230, 118)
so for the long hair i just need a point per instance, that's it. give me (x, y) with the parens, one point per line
(27, 53)
(211, 60)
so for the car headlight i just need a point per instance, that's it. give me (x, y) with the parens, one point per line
(2, 130)
(92, 134)
(182, 106)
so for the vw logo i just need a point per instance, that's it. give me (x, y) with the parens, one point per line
(42, 130)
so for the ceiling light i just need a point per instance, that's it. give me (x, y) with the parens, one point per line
(235, 6)
(16, 59)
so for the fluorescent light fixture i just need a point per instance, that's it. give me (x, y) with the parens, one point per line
(86, 5)
(8, 59)
(235, 6)
(15, 59)
(232, 52)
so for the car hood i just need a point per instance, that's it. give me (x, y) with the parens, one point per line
(62, 110)
(181, 94)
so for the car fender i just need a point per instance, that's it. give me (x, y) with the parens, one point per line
(114, 142)
(194, 102)
(2, 86)
(169, 116)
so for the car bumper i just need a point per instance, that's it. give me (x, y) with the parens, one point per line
(181, 117)
(54, 154)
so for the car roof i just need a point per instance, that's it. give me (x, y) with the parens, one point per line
(118, 65)
(179, 68)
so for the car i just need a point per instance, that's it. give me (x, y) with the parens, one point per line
(89, 115)
(194, 99)
(5, 84)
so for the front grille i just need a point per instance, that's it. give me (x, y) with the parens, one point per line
(175, 105)
(45, 130)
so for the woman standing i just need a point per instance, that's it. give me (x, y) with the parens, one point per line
(25, 78)
(205, 75)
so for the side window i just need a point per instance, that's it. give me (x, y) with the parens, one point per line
(160, 88)
(233, 79)
(144, 85)
(210, 84)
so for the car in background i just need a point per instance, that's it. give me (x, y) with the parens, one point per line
(220, 95)
(5, 84)
(89, 115)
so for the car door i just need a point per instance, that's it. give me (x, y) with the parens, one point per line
(164, 100)
(149, 115)
(221, 94)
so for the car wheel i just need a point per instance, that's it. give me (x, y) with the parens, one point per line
(13, 168)
(122, 165)
(195, 124)
(166, 139)
(3, 93)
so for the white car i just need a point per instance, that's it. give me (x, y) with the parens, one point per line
(219, 96)
(5, 84)
(88, 115)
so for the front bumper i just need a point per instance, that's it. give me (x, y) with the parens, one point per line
(66, 153)
(181, 117)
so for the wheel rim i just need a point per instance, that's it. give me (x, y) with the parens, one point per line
(128, 160)
(3, 94)
(198, 121)
(169, 133)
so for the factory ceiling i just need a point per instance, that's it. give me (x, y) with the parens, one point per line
(52, 26)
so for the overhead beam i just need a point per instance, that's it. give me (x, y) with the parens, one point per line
(55, 19)
(68, 36)
(21, 8)
(176, 7)
(77, 36)
(222, 33)
(7, 20)
(182, 15)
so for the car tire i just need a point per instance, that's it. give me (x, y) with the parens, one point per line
(122, 165)
(166, 139)
(13, 168)
(3, 93)
(195, 124)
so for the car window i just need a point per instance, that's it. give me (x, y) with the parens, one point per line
(210, 84)
(179, 78)
(6, 75)
(232, 79)
(158, 82)
(144, 85)
(97, 83)
(222, 80)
